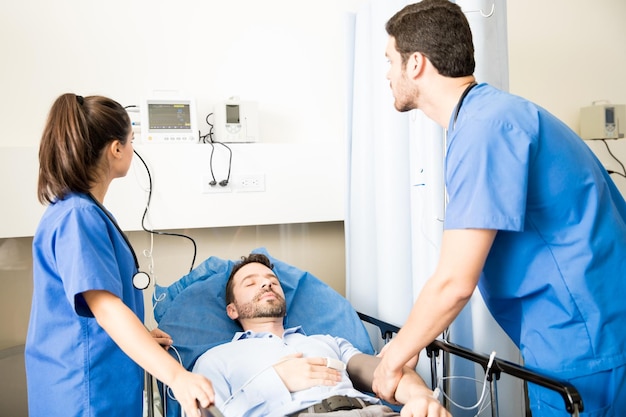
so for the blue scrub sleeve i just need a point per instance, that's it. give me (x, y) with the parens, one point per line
(487, 176)
(88, 261)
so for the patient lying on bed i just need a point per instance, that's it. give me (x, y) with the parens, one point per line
(268, 370)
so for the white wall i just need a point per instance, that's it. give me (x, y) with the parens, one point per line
(566, 54)
(288, 56)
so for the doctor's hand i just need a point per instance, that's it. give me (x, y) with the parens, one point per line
(298, 373)
(386, 380)
(411, 363)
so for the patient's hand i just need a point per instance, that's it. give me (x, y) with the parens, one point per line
(162, 338)
(298, 373)
(424, 406)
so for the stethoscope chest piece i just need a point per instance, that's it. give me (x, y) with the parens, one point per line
(141, 280)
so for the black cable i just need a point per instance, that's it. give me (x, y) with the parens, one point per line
(145, 212)
(616, 159)
(214, 182)
(210, 134)
(230, 160)
(208, 138)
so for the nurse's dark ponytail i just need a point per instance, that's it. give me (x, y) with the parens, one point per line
(77, 131)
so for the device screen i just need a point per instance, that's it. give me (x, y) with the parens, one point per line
(169, 116)
(232, 113)
(609, 115)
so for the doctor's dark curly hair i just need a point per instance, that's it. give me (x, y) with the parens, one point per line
(439, 30)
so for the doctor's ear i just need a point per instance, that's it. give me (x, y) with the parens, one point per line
(415, 64)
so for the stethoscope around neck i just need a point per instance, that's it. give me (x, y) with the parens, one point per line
(460, 103)
(141, 279)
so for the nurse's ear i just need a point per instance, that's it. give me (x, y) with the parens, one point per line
(114, 149)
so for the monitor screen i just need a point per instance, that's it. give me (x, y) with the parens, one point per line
(609, 115)
(232, 113)
(169, 116)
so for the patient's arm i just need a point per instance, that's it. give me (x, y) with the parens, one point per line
(411, 391)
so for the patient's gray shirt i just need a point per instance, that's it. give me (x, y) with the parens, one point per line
(246, 384)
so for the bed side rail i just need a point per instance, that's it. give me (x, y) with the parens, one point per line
(571, 397)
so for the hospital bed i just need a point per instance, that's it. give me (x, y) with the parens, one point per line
(192, 311)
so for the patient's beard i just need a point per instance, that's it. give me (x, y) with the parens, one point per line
(255, 309)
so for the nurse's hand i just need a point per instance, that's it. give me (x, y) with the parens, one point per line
(162, 338)
(192, 391)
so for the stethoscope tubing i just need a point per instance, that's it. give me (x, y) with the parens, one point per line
(141, 280)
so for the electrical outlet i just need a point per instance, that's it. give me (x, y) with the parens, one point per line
(249, 182)
(207, 188)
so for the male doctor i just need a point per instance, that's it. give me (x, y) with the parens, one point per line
(533, 220)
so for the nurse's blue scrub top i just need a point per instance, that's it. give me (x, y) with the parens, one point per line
(73, 367)
(555, 277)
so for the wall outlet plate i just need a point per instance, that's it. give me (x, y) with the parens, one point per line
(249, 182)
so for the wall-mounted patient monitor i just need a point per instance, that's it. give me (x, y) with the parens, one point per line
(169, 120)
(237, 121)
(603, 121)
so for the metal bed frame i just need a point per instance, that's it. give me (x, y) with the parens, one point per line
(493, 370)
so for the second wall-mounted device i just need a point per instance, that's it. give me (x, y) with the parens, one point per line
(603, 121)
(237, 121)
(169, 120)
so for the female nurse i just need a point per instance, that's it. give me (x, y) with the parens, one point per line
(86, 343)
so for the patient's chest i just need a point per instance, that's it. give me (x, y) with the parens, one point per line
(260, 352)
(246, 358)
(244, 378)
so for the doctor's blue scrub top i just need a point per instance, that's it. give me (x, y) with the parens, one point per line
(555, 277)
(73, 367)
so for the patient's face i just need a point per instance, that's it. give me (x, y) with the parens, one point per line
(257, 293)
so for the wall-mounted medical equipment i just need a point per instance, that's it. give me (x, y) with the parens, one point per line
(237, 121)
(603, 121)
(169, 120)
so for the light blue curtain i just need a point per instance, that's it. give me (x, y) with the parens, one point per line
(396, 202)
